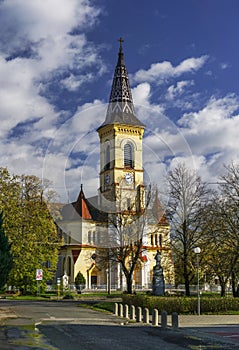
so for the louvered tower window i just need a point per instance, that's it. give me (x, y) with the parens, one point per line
(128, 156)
(107, 157)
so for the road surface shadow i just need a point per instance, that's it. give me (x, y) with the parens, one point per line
(62, 336)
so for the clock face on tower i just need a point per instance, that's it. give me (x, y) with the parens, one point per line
(129, 178)
(107, 179)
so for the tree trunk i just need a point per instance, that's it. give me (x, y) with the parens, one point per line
(186, 279)
(223, 287)
(187, 286)
(129, 283)
(235, 286)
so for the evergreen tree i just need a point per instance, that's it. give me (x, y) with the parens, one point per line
(80, 280)
(5, 255)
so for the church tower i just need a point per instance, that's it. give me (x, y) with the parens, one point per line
(121, 167)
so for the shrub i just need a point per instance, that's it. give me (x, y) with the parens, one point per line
(68, 295)
(80, 280)
(182, 305)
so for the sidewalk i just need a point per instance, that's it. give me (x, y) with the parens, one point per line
(207, 320)
(194, 326)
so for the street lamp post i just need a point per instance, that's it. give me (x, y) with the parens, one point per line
(197, 251)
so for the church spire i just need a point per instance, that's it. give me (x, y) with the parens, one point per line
(121, 54)
(121, 108)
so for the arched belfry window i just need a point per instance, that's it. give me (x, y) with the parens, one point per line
(107, 156)
(128, 156)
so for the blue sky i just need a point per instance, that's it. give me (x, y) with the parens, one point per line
(57, 59)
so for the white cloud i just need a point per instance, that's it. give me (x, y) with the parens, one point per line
(204, 140)
(38, 43)
(224, 65)
(141, 94)
(215, 114)
(178, 89)
(158, 72)
(40, 29)
(34, 21)
(212, 133)
(72, 83)
(145, 109)
(74, 151)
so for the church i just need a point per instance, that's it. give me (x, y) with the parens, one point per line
(88, 225)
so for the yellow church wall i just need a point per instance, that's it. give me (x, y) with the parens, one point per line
(164, 248)
(84, 261)
(120, 141)
(73, 231)
(77, 231)
(87, 266)
(88, 232)
(117, 141)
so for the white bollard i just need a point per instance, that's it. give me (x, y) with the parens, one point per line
(164, 319)
(132, 312)
(116, 309)
(175, 320)
(138, 314)
(126, 311)
(155, 317)
(146, 315)
(120, 310)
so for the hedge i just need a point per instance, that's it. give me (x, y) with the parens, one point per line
(182, 305)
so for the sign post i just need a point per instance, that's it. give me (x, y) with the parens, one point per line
(58, 288)
(39, 276)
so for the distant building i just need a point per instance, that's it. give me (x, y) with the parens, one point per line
(85, 223)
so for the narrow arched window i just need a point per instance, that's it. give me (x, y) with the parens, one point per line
(69, 266)
(107, 157)
(156, 239)
(128, 156)
(89, 236)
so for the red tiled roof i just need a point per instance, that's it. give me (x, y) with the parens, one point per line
(83, 208)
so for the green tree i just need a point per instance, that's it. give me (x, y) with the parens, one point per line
(30, 228)
(5, 255)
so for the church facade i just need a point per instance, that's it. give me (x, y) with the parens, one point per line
(86, 224)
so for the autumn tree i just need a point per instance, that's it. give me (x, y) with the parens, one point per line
(187, 198)
(30, 229)
(5, 255)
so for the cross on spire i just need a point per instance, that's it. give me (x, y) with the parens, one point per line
(121, 42)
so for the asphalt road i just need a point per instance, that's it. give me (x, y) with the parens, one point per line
(65, 325)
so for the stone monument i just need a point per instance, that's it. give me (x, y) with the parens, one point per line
(158, 285)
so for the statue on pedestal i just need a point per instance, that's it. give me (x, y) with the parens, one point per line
(158, 285)
(65, 281)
